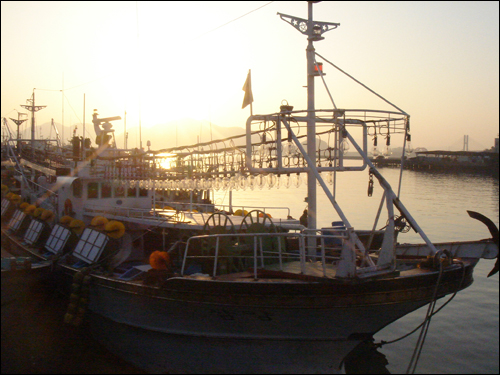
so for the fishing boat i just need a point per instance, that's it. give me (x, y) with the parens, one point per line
(172, 282)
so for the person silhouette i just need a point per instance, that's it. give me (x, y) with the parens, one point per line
(303, 218)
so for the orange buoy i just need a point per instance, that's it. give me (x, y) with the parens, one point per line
(30, 209)
(77, 226)
(47, 215)
(114, 229)
(159, 260)
(65, 220)
(16, 198)
(99, 222)
(38, 212)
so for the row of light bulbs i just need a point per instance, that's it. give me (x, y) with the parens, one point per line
(236, 182)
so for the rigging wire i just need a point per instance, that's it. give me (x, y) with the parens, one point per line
(227, 23)
(366, 87)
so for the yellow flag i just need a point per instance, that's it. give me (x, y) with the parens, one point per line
(247, 87)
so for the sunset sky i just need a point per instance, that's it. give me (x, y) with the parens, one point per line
(162, 61)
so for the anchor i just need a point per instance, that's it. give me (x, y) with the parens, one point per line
(494, 234)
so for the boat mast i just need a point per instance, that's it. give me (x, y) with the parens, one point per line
(19, 122)
(313, 30)
(33, 108)
(311, 122)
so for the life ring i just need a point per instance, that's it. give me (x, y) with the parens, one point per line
(68, 207)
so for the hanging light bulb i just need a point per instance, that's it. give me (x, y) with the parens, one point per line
(263, 151)
(271, 180)
(241, 181)
(263, 148)
(286, 181)
(409, 149)
(217, 183)
(233, 183)
(329, 178)
(225, 183)
(260, 181)
(297, 180)
(289, 148)
(209, 183)
(344, 146)
(251, 182)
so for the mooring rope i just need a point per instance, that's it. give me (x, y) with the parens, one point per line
(425, 324)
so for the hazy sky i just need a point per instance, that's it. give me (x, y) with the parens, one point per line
(438, 61)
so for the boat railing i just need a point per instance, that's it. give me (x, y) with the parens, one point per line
(273, 251)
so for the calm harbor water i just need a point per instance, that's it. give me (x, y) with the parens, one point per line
(462, 338)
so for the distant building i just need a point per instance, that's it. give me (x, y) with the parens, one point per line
(456, 161)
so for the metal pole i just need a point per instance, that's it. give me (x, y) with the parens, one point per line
(311, 130)
(83, 143)
(33, 125)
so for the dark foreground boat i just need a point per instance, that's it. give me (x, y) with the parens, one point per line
(173, 283)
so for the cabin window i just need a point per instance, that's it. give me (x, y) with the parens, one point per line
(106, 190)
(93, 190)
(77, 188)
(143, 192)
(131, 192)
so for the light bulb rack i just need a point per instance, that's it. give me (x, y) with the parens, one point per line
(268, 154)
